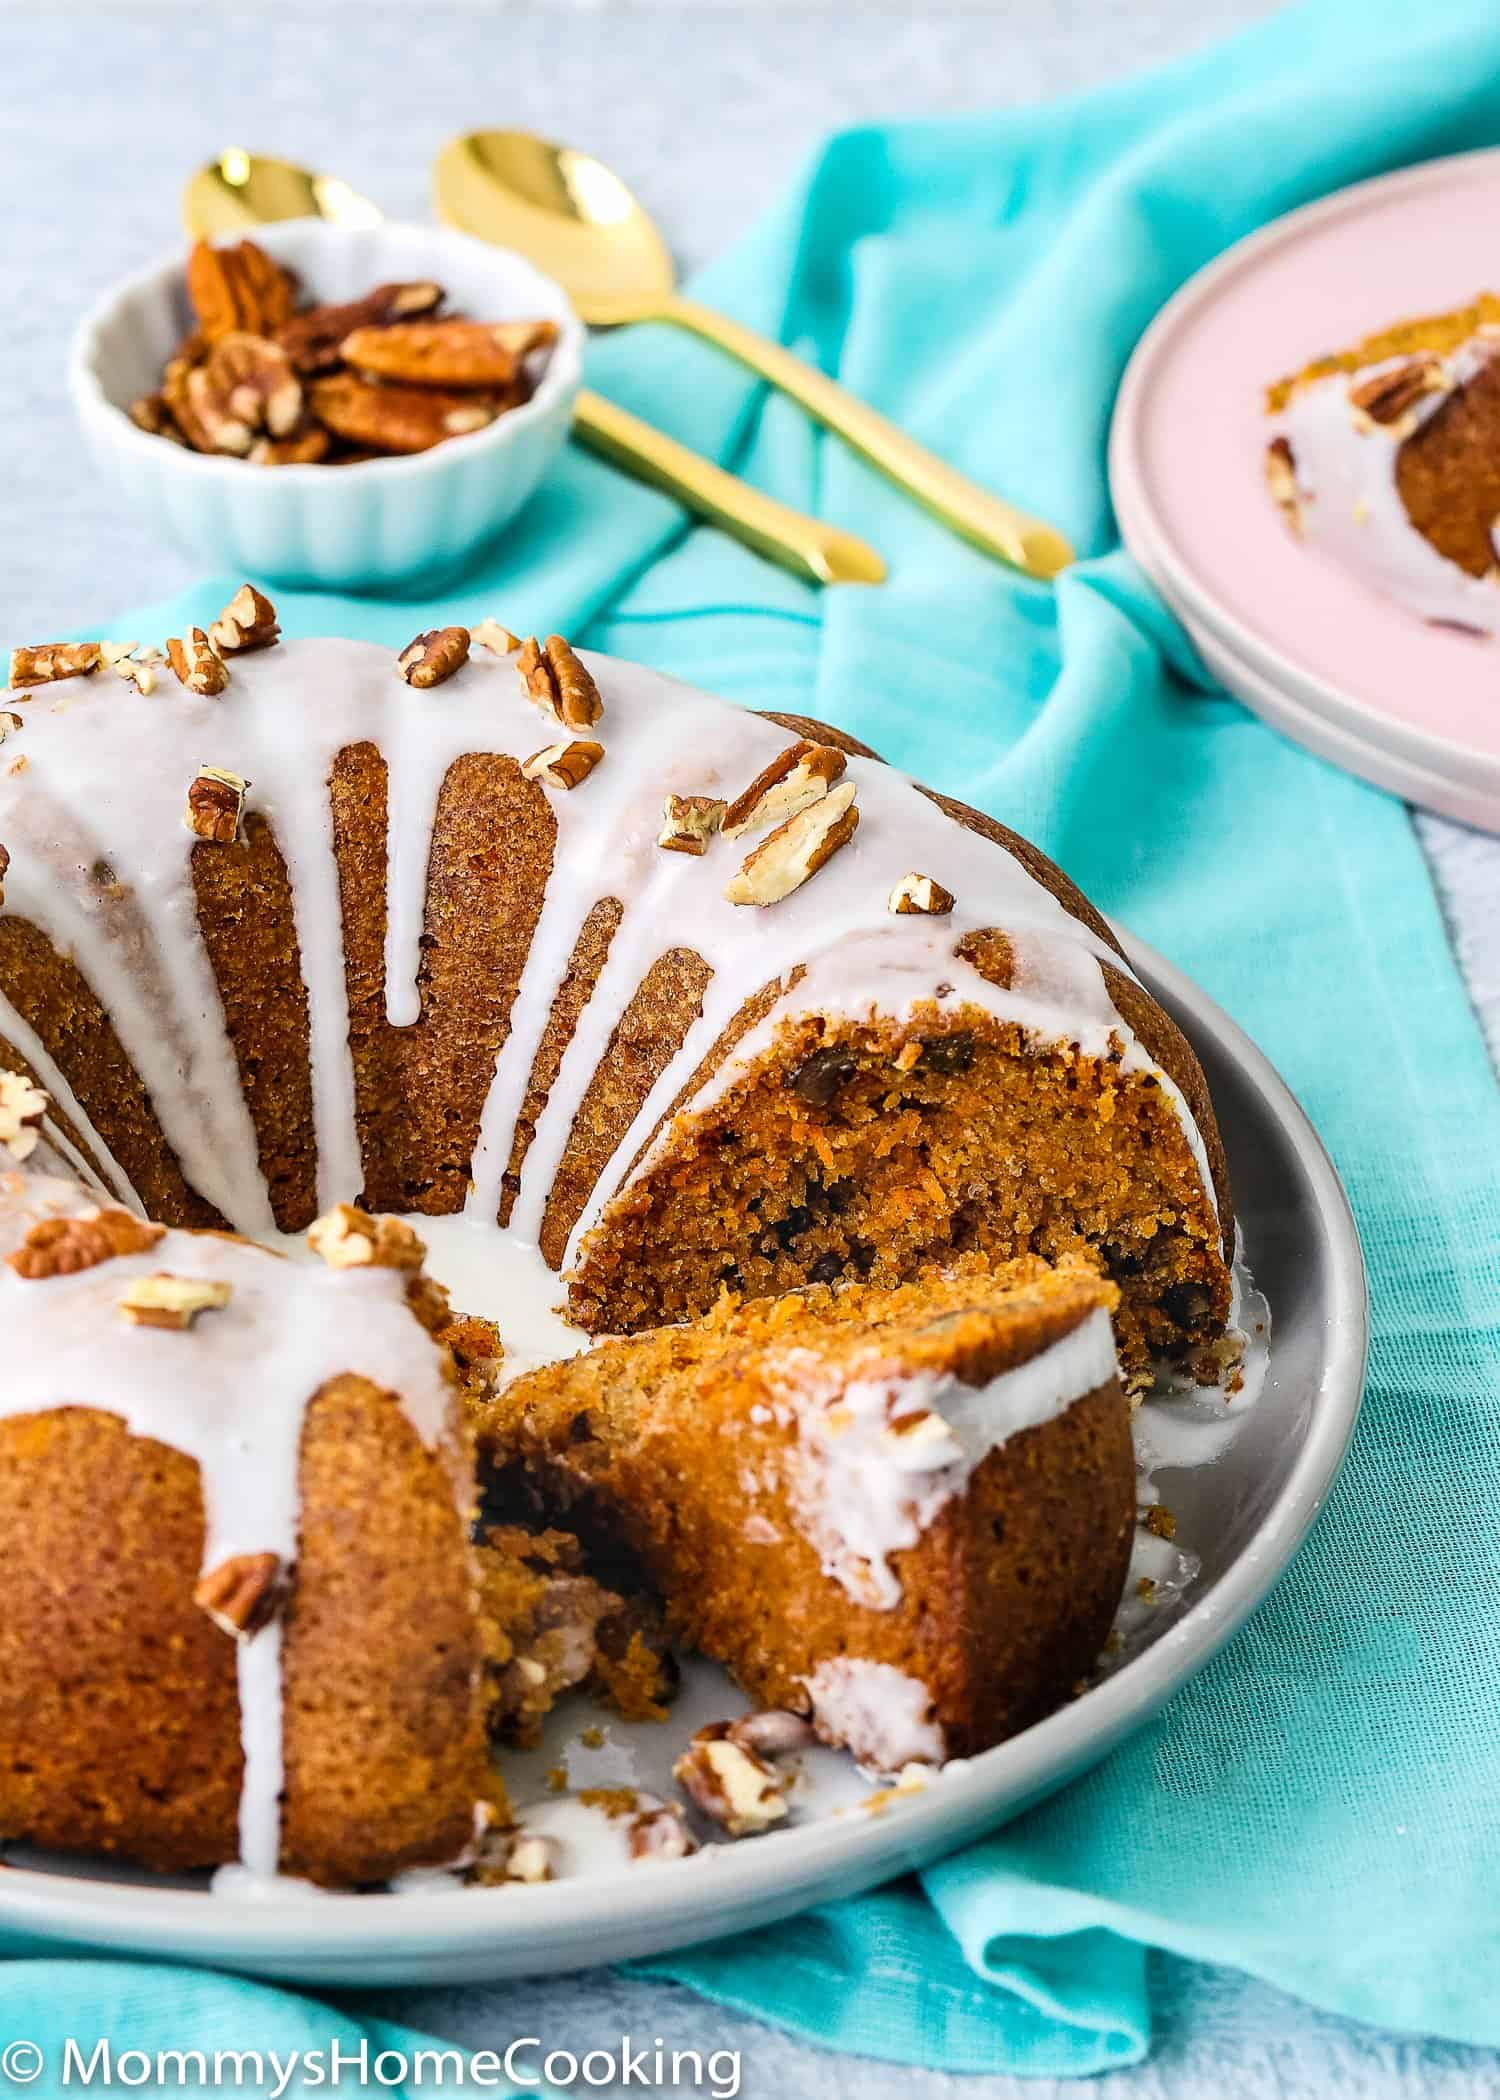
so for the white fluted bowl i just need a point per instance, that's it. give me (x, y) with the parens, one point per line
(372, 526)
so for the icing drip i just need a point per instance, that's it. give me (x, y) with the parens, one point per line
(878, 1713)
(878, 1456)
(287, 714)
(1351, 504)
(231, 1393)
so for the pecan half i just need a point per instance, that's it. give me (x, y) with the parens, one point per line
(174, 392)
(44, 662)
(396, 418)
(1388, 396)
(237, 289)
(489, 634)
(557, 679)
(312, 340)
(245, 384)
(66, 1246)
(795, 777)
(243, 1594)
(729, 1784)
(247, 622)
(919, 893)
(347, 1238)
(22, 1107)
(448, 353)
(564, 765)
(433, 656)
(197, 663)
(796, 849)
(689, 822)
(215, 804)
(172, 1301)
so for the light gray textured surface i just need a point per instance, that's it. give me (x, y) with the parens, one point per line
(705, 108)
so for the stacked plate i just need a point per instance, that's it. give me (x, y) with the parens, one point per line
(1412, 707)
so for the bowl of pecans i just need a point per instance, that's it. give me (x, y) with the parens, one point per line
(352, 408)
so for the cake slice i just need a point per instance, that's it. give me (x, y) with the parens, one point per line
(906, 1513)
(1387, 455)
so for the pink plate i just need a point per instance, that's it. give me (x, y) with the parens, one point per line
(1363, 682)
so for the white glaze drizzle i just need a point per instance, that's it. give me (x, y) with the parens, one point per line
(231, 1393)
(876, 1712)
(287, 714)
(1350, 503)
(877, 1455)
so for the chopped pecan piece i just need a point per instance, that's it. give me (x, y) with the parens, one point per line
(44, 662)
(557, 679)
(215, 804)
(312, 340)
(448, 353)
(247, 622)
(796, 849)
(172, 1301)
(174, 392)
(244, 385)
(151, 414)
(1281, 479)
(65, 1246)
(689, 822)
(4, 870)
(396, 418)
(563, 765)
(729, 1784)
(489, 634)
(351, 1239)
(1387, 397)
(434, 656)
(306, 447)
(919, 893)
(22, 1107)
(197, 663)
(660, 1833)
(528, 1857)
(243, 1594)
(801, 774)
(772, 1732)
(237, 289)
(9, 724)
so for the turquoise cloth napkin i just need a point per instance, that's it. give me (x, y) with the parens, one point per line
(1322, 1806)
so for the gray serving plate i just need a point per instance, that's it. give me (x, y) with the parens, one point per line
(1245, 1514)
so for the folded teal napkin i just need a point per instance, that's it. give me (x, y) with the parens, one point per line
(1322, 1806)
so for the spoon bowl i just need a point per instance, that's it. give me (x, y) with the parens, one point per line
(238, 191)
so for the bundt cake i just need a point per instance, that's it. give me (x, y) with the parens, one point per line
(694, 1000)
(1387, 456)
(235, 1493)
(744, 1036)
(906, 1513)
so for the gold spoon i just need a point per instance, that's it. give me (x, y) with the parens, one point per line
(577, 221)
(241, 190)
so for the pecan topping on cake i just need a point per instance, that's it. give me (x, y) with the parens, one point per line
(313, 340)
(65, 1246)
(448, 353)
(247, 622)
(801, 774)
(197, 663)
(46, 661)
(689, 822)
(9, 724)
(556, 678)
(242, 1594)
(796, 849)
(563, 765)
(172, 1301)
(396, 418)
(22, 1107)
(919, 893)
(215, 804)
(351, 1239)
(729, 1784)
(489, 634)
(1388, 396)
(244, 385)
(434, 656)
(237, 290)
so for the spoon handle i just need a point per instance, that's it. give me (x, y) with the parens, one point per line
(820, 553)
(993, 525)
